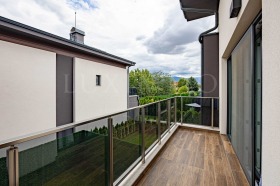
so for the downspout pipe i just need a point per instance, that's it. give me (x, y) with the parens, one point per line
(213, 12)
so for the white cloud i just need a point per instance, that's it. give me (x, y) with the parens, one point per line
(154, 34)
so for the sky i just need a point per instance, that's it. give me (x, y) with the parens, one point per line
(152, 33)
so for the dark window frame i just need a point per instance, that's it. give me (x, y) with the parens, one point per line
(98, 80)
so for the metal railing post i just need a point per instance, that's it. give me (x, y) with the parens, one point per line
(212, 113)
(175, 110)
(168, 114)
(181, 110)
(111, 163)
(158, 122)
(143, 134)
(12, 162)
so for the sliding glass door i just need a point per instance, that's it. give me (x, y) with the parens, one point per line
(241, 103)
(245, 101)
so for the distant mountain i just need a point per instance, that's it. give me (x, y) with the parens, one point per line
(176, 79)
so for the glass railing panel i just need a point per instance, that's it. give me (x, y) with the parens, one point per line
(151, 126)
(172, 111)
(206, 111)
(178, 110)
(197, 110)
(72, 157)
(80, 155)
(216, 112)
(127, 141)
(4, 179)
(163, 117)
(191, 110)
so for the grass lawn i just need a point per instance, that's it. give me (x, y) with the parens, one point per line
(150, 135)
(134, 138)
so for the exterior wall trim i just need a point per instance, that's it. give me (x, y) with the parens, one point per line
(56, 49)
(15, 29)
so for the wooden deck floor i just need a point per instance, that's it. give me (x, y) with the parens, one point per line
(195, 157)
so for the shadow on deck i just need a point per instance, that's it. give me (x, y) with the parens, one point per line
(195, 157)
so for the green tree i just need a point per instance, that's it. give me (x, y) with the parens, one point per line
(192, 93)
(164, 83)
(95, 130)
(183, 89)
(192, 84)
(151, 84)
(143, 81)
(182, 82)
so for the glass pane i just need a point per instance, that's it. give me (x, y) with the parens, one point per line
(71, 157)
(242, 102)
(126, 141)
(163, 117)
(172, 111)
(151, 126)
(178, 100)
(4, 180)
(206, 111)
(216, 112)
(191, 110)
(258, 101)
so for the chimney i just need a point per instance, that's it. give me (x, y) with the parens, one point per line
(77, 35)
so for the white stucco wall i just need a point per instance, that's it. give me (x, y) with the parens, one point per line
(92, 101)
(271, 92)
(230, 32)
(28, 90)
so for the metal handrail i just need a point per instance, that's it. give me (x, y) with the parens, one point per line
(25, 138)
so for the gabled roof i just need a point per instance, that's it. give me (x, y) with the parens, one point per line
(190, 15)
(10, 26)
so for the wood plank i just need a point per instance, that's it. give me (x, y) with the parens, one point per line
(234, 163)
(208, 178)
(197, 158)
(201, 144)
(197, 177)
(240, 178)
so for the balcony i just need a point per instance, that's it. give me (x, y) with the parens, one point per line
(153, 144)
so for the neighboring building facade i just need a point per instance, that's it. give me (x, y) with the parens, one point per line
(248, 66)
(47, 81)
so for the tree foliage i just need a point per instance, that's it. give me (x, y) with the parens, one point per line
(143, 81)
(192, 84)
(183, 89)
(182, 82)
(151, 84)
(164, 83)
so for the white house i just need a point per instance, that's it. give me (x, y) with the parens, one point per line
(47, 81)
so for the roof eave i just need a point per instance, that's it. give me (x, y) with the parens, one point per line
(4, 22)
(209, 7)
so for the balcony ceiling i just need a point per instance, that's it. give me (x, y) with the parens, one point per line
(199, 4)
